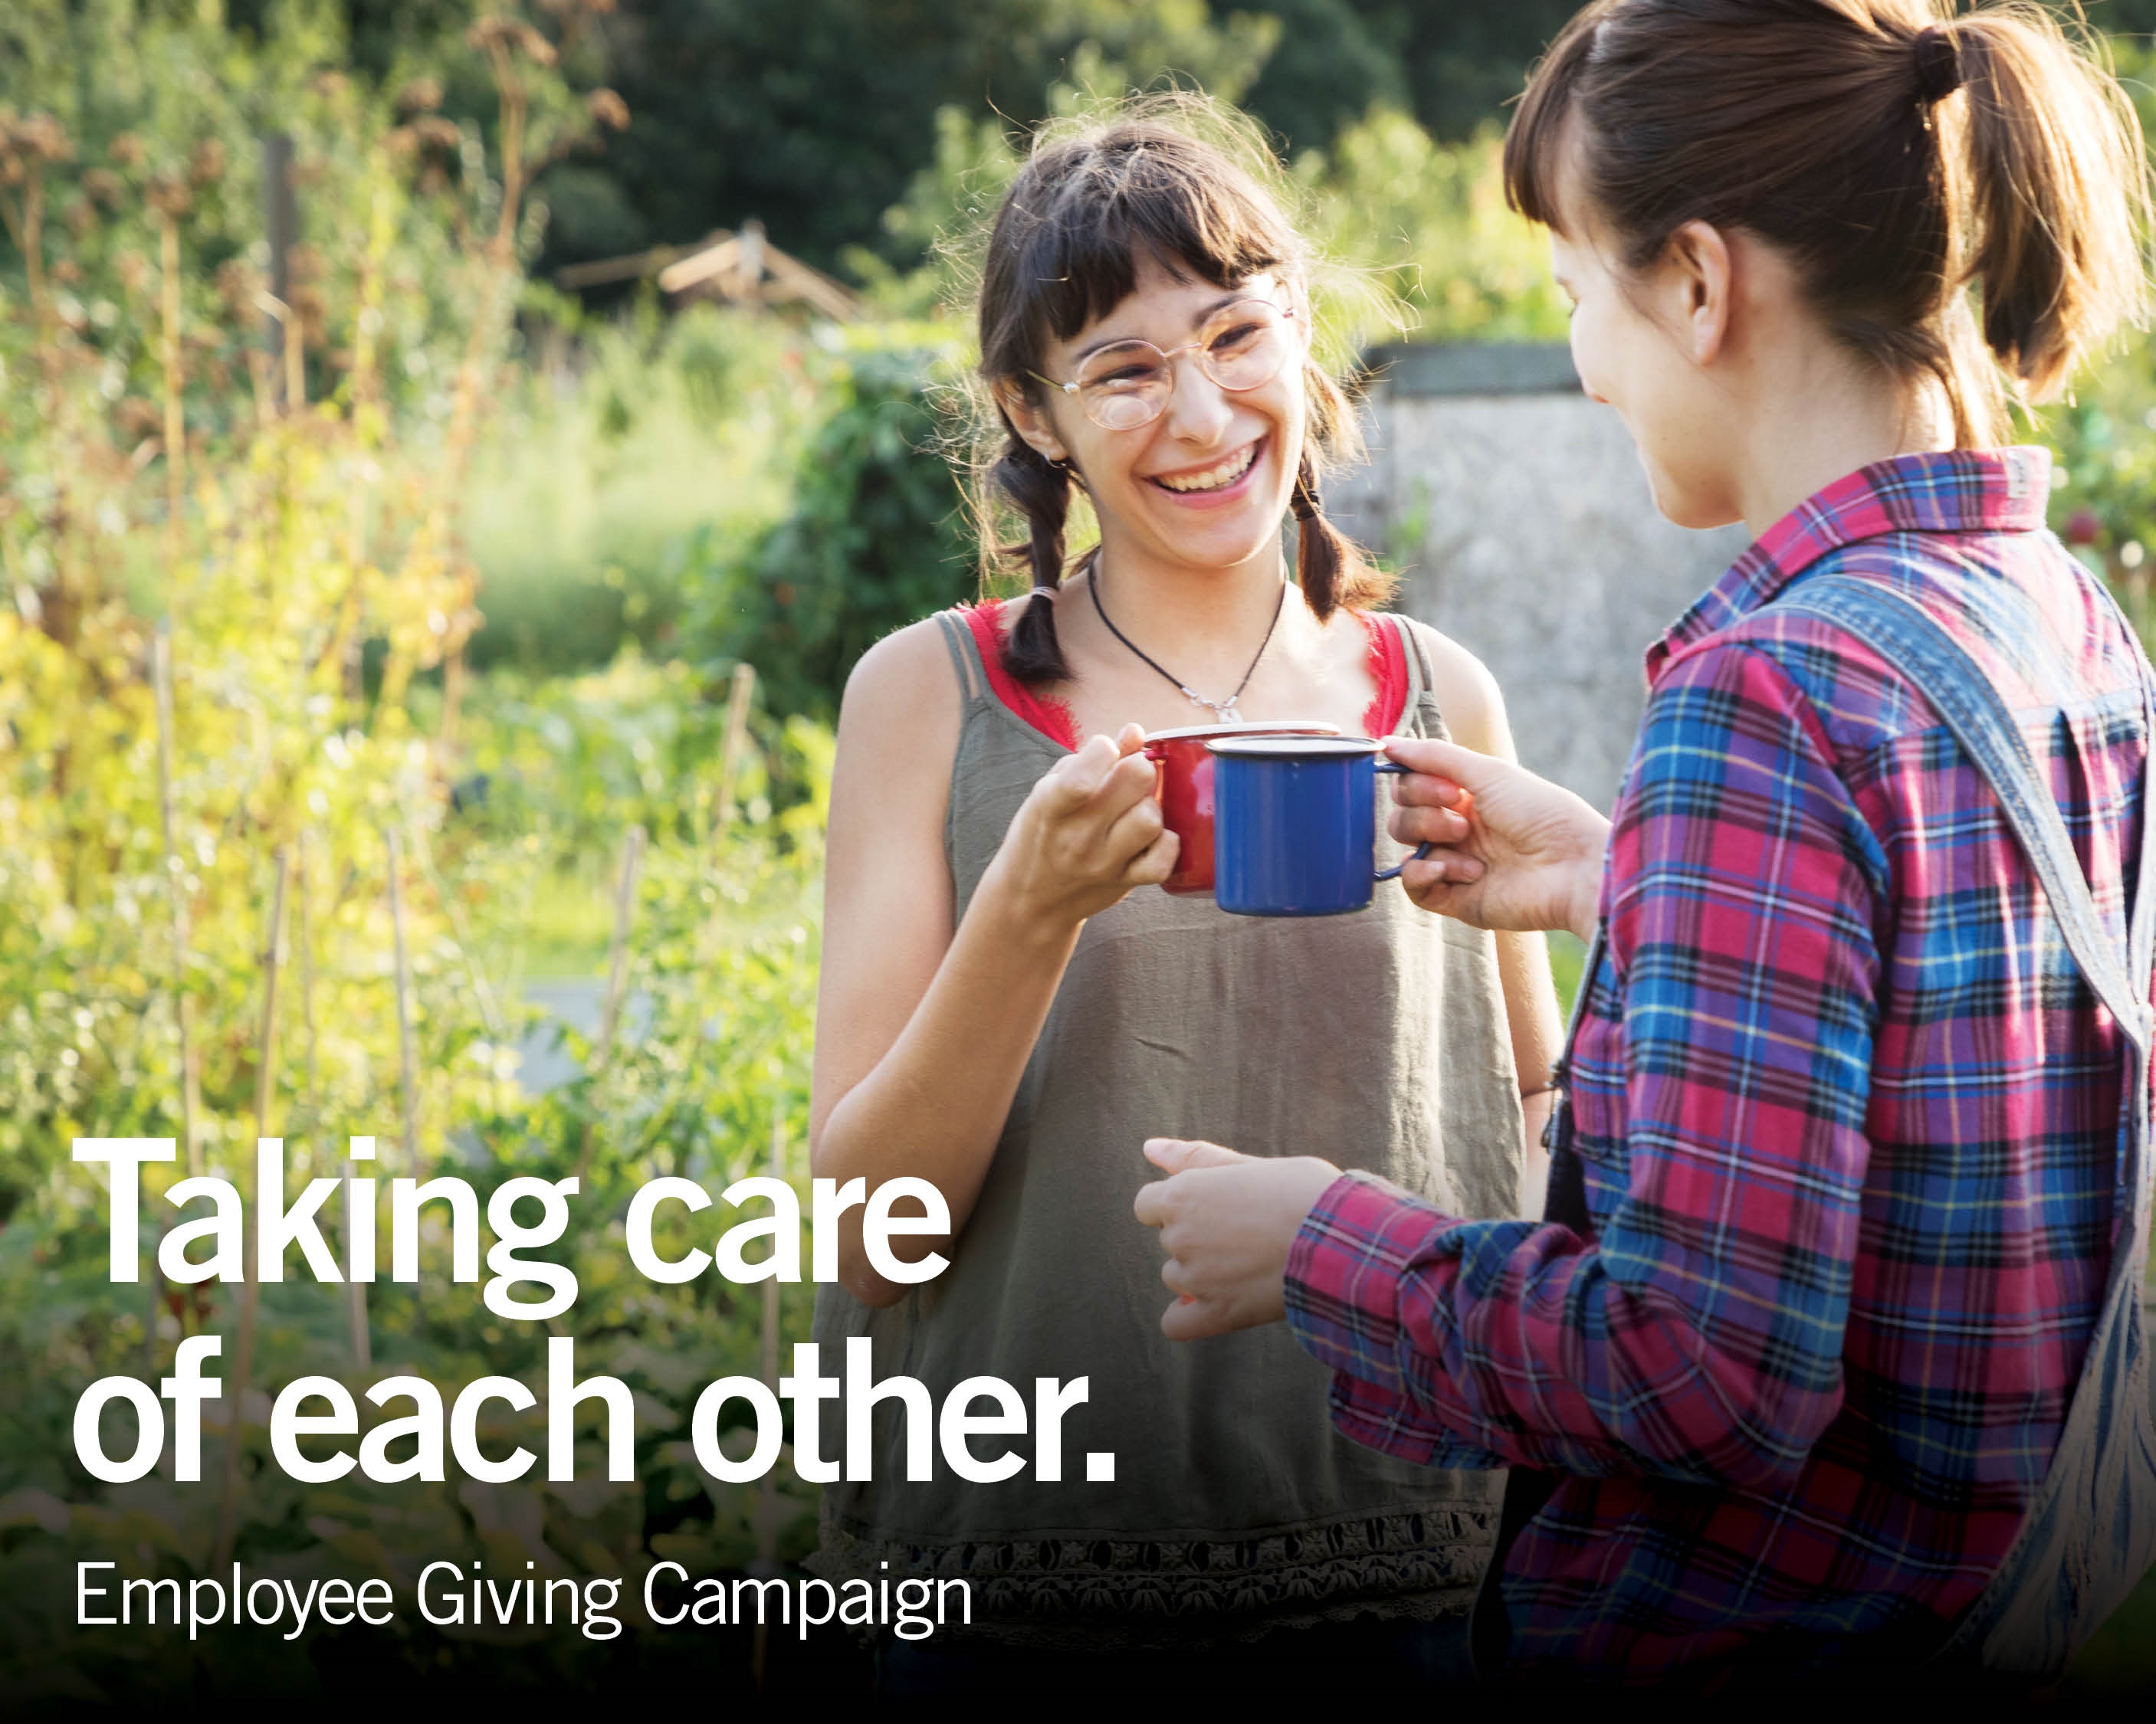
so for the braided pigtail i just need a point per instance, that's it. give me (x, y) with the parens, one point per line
(1319, 549)
(1039, 490)
(1331, 566)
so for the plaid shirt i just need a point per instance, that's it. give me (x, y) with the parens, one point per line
(1846, 1116)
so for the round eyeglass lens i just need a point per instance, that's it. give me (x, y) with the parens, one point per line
(1124, 386)
(1242, 348)
(1246, 345)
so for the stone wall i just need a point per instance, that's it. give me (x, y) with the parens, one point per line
(1521, 515)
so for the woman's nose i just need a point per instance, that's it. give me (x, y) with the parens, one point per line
(1198, 408)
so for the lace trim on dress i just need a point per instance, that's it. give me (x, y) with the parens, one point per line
(1422, 1565)
(1388, 665)
(1388, 670)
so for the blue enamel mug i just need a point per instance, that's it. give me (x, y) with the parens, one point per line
(1293, 818)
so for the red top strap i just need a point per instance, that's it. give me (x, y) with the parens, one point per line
(1388, 665)
(1050, 717)
(1388, 670)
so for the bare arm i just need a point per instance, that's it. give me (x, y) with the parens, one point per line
(923, 1029)
(1474, 711)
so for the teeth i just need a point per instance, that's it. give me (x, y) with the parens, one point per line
(1214, 478)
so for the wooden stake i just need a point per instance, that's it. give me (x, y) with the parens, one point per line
(407, 1063)
(362, 1351)
(250, 1289)
(407, 1058)
(624, 912)
(160, 675)
(160, 681)
(737, 732)
(176, 426)
(767, 1501)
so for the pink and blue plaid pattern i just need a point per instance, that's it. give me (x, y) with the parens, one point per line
(1846, 1115)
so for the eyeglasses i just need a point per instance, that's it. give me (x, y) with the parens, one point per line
(1127, 384)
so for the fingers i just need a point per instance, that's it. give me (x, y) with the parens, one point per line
(1445, 884)
(1152, 1204)
(1135, 828)
(1096, 780)
(1155, 863)
(1073, 781)
(1130, 739)
(1196, 1319)
(1427, 825)
(1172, 1155)
(1460, 768)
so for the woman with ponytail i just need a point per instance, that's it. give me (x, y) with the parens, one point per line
(1009, 1003)
(1827, 1357)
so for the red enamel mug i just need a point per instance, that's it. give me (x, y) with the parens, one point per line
(1183, 783)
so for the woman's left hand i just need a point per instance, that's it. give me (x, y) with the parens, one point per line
(1228, 1221)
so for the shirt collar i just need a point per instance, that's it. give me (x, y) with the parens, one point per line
(1991, 490)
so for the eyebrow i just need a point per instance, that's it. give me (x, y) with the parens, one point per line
(1197, 322)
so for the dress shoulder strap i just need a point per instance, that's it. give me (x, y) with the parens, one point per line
(1422, 676)
(965, 658)
(1421, 679)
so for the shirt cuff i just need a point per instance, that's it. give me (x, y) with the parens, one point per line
(1345, 1272)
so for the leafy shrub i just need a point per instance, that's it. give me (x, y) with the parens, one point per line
(877, 538)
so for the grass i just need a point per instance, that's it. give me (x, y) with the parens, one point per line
(1568, 952)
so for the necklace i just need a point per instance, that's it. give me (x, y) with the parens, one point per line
(1224, 711)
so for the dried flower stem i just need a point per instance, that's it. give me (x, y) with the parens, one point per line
(738, 701)
(250, 1288)
(624, 910)
(175, 427)
(160, 676)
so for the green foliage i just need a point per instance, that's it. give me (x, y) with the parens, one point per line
(877, 537)
(286, 550)
(613, 442)
(813, 116)
(1426, 225)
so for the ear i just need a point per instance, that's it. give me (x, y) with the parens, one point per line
(1031, 423)
(1703, 289)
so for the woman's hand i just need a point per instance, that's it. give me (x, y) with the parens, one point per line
(1090, 831)
(1508, 850)
(1228, 1221)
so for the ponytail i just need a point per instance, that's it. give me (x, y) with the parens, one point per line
(1899, 156)
(2057, 190)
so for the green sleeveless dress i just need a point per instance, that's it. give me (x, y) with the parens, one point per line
(1378, 1041)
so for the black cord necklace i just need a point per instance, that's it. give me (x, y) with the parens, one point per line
(1224, 711)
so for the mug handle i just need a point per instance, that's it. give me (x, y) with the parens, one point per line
(1421, 850)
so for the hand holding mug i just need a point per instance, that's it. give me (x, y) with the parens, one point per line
(1507, 849)
(1089, 831)
(1227, 1223)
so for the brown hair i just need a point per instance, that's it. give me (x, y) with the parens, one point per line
(1898, 155)
(1063, 250)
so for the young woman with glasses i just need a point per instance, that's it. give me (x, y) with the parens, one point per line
(1008, 1006)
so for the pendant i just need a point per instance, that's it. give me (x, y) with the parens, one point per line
(1223, 711)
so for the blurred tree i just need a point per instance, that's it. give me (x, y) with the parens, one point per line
(1333, 66)
(815, 115)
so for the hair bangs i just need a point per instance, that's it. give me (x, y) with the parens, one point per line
(1533, 164)
(1137, 191)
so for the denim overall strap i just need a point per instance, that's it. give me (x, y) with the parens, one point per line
(2089, 1533)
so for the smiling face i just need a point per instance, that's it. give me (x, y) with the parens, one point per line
(1205, 484)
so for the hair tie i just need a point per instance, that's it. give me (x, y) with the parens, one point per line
(1308, 503)
(1047, 592)
(1938, 51)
